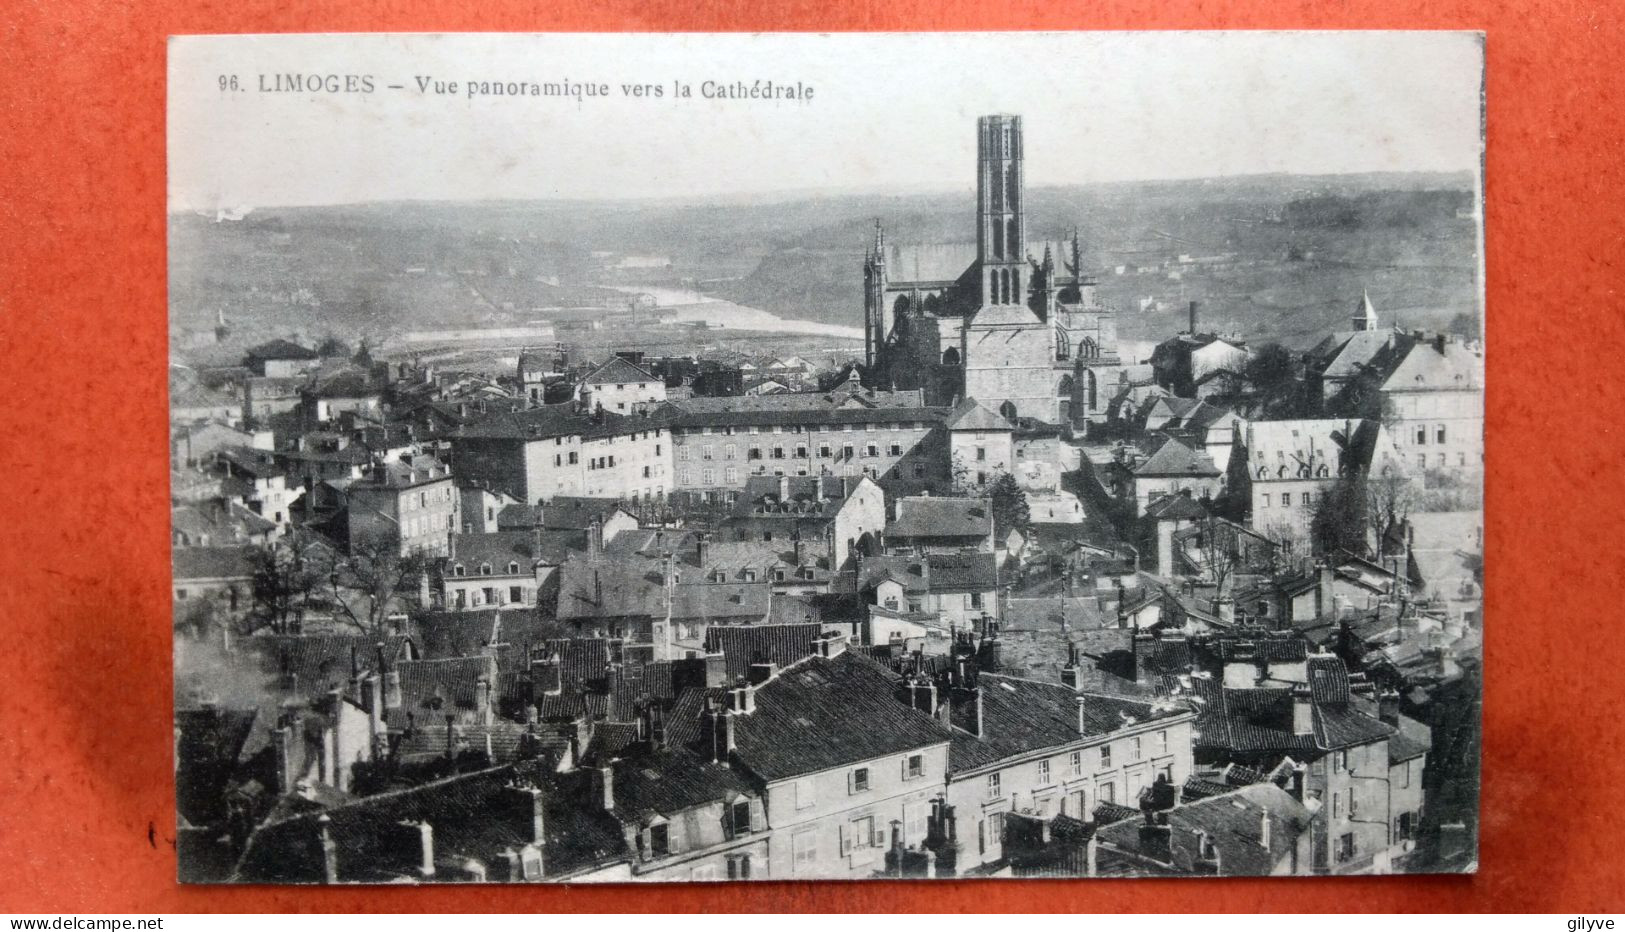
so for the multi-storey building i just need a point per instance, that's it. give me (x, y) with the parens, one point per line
(537, 454)
(620, 386)
(846, 768)
(413, 501)
(1048, 749)
(721, 443)
(1436, 400)
(1293, 463)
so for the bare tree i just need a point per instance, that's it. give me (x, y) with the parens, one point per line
(287, 578)
(1390, 499)
(367, 583)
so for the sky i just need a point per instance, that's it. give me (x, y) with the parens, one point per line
(888, 111)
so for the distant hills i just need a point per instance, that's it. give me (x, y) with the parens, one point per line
(1273, 256)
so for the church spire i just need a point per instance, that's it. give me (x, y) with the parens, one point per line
(1365, 317)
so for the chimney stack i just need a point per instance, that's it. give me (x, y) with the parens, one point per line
(762, 672)
(1303, 711)
(702, 548)
(422, 833)
(1193, 318)
(1083, 717)
(482, 701)
(392, 689)
(330, 850)
(603, 787)
(977, 689)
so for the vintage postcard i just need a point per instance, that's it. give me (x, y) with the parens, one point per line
(753, 457)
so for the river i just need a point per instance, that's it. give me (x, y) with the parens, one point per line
(693, 306)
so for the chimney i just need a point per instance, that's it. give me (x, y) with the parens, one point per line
(1303, 711)
(1327, 593)
(702, 548)
(762, 672)
(1264, 830)
(392, 689)
(289, 737)
(784, 489)
(719, 728)
(330, 849)
(800, 545)
(1298, 772)
(977, 690)
(829, 644)
(420, 835)
(742, 700)
(923, 695)
(716, 670)
(375, 705)
(546, 677)
(603, 787)
(451, 544)
(1072, 674)
(597, 588)
(1083, 716)
(1388, 706)
(482, 701)
(1193, 318)
(595, 536)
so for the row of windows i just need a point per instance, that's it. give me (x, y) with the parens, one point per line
(686, 474)
(797, 428)
(1135, 752)
(422, 499)
(1307, 499)
(1419, 434)
(825, 451)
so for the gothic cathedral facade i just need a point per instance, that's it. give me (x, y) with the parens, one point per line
(998, 324)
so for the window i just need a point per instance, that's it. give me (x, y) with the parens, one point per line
(858, 780)
(974, 600)
(896, 449)
(914, 767)
(846, 451)
(1438, 434)
(485, 569)
(1421, 435)
(706, 872)
(1043, 773)
(1266, 499)
(739, 867)
(1286, 499)
(860, 834)
(574, 458)
(981, 454)
(993, 789)
(1134, 748)
(804, 794)
(1162, 742)
(995, 823)
(1337, 805)
(1345, 847)
(659, 841)
(804, 851)
(823, 450)
(1108, 792)
(801, 452)
(739, 818)
(1105, 755)
(516, 594)
(180, 593)
(1077, 763)
(871, 450)
(778, 453)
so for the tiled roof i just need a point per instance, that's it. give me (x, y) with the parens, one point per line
(457, 634)
(963, 572)
(550, 421)
(671, 780)
(442, 687)
(970, 414)
(1176, 459)
(822, 713)
(1410, 740)
(1232, 822)
(404, 473)
(743, 645)
(500, 548)
(1020, 716)
(1259, 720)
(1426, 368)
(1356, 352)
(281, 349)
(1176, 508)
(803, 495)
(322, 661)
(472, 815)
(618, 369)
(196, 563)
(930, 516)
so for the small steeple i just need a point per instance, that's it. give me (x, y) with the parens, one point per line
(879, 252)
(1365, 317)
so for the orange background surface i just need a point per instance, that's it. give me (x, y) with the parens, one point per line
(85, 735)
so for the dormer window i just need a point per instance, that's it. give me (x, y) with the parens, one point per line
(457, 570)
(485, 569)
(513, 568)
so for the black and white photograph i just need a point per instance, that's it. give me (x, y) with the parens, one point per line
(738, 457)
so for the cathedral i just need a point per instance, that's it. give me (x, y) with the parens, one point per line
(996, 322)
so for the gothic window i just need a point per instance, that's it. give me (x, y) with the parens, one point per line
(1004, 286)
(998, 241)
(1064, 390)
(1063, 345)
(1088, 349)
(1011, 186)
(997, 180)
(1089, 388)
(950, 356)
(1015, 286)
(993, 286)
(1012, 243)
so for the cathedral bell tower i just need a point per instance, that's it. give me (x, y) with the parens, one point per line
(1001, 230)
(874, 301)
